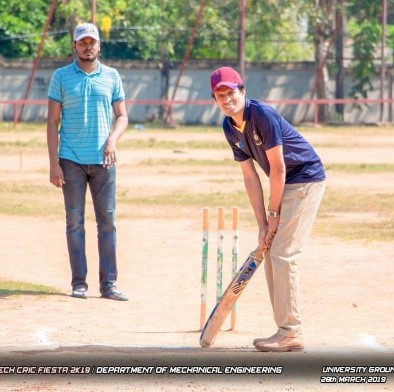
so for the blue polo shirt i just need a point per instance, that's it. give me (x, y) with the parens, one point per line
(266, 128)
(87, 113)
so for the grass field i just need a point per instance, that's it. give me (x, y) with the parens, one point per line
(8, 288)
(168, 155)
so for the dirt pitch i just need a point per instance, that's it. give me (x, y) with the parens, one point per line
(347, 287)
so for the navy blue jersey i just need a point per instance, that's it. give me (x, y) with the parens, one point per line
(266, 128)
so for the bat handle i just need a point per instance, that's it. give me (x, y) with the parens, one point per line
(258, 254)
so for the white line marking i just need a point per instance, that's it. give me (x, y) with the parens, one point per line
(42, 336)
(370, 342)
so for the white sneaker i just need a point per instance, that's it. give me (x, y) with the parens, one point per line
(81, 292)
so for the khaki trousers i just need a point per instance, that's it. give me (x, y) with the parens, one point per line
(300, 204)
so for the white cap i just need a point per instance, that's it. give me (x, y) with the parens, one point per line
(86, 30)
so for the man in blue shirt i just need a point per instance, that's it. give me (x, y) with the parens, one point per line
(257, 133)
(84, 97)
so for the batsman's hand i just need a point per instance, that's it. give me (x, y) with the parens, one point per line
(263, 246)
(273, 224)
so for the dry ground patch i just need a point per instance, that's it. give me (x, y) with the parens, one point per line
(165, 178)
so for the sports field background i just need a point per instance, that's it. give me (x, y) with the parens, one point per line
(165, 178)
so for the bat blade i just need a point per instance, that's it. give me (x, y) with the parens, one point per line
(227, 300)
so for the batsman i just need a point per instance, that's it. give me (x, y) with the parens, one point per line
(257, 133)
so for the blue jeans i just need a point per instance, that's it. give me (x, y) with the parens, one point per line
(102, 185)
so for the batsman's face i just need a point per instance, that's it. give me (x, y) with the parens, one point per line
(230, 102)
(87, 49)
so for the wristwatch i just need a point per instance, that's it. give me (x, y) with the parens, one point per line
(272, 214)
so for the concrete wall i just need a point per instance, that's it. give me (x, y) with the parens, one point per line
(144, 83)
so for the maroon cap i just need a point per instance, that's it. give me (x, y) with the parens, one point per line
(225, 76)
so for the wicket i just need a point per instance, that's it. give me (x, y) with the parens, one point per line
(219, 260)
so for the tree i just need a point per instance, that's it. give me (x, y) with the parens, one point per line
(276, 31)
(323, 36)
(20, 28)
(319, 17)
(364, 23)
(157, 29)
(365, 31)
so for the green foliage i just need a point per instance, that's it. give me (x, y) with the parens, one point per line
(365, 30)
(366, 39)
(276, 33)
(21, 23)
(158, 30)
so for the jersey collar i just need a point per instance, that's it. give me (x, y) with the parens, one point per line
(246, 115)
(79, 69)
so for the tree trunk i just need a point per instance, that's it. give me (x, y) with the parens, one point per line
(320, 81)
(340, 74)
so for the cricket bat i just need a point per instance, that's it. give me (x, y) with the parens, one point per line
(228, 299)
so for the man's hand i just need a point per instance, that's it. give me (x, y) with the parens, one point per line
(273, 223)
(56, 176)
(109, 154)
(263, 232)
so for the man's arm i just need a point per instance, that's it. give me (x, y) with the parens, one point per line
(256, 197)
(277, 179)
(121, 122)
(55, 172)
